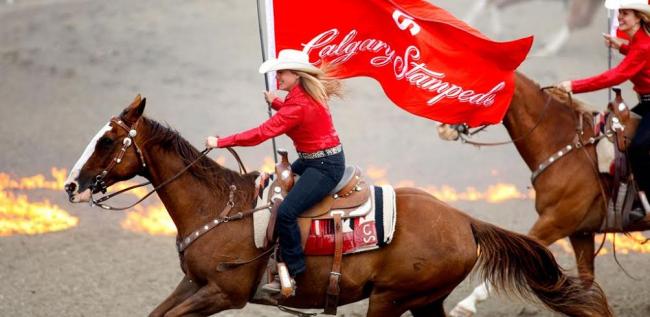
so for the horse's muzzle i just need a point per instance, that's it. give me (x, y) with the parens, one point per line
(75, 197)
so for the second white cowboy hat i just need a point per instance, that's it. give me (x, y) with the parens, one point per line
(290, 59)
(642, 6)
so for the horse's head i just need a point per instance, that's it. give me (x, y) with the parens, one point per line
(111, 156)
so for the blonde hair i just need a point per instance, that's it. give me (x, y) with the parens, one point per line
(645, 19)
(321, 88)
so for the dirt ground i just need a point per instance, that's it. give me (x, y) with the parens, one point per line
(67, 66)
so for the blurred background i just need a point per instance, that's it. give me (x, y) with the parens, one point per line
(67, 66)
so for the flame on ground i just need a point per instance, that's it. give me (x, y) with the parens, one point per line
(152, 219)
(497, 193)
(19, 215)
(35, 182)
(634, 243)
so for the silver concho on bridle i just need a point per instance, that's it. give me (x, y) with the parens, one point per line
(99, 185)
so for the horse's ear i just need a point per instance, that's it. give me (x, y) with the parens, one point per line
(135, 110)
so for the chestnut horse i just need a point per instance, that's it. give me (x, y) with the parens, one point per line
(569, 196)
(434, 248)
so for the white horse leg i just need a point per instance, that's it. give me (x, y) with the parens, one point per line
(467, 307)
(474, 11)
(556, 43)
(495, 20)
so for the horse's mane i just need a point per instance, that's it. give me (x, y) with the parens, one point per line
(573, 102)
(205, 170)
(557, 94)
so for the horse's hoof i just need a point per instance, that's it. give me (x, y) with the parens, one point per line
(460, 311)
(544, 52)
(528, 312)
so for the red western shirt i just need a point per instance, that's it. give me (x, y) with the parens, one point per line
(635, 67)
(300, 117)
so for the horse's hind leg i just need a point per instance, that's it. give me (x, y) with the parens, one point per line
(583, 247)
(184, 290)
(467, 306)
(396, 303)
(384, 304)
(434, 309)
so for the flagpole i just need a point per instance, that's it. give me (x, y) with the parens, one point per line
(609, 49)
(266, 76)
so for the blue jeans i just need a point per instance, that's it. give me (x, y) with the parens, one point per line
(640, 147)
(318, 177)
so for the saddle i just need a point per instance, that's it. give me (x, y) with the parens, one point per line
(619, 126)
(346, 200)
(623, 123)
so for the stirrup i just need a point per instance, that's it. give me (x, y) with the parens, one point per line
(275, 286)
(644, 201)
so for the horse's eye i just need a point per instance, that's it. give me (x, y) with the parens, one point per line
(105, 142)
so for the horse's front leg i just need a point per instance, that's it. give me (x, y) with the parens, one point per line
(473, 13)
(581, 13)
(185, 289)
(208, 300)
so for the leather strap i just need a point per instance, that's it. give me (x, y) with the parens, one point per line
(333, 290)
(231, 202)
(350, 187)
(270, 228)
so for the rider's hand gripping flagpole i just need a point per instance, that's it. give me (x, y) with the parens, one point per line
(269, 80)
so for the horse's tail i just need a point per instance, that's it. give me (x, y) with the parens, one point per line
(522, 266)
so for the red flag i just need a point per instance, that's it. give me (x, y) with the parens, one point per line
(428, 62)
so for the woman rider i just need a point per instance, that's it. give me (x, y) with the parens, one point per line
(304, 117)
(634, 20)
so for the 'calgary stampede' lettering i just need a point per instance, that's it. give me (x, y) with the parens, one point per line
(405, 67)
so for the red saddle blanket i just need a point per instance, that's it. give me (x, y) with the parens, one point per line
(364, 233)
(360, 234)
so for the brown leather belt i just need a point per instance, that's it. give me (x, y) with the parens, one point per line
(322, 153)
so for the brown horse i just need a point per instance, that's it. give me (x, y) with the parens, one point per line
(433, 250)
(542, 123)
(580, 14)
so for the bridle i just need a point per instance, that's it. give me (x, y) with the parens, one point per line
(465, 130)
(577, 143)
(99, 185)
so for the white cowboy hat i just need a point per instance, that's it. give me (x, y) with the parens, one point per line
(290, 59)
(642, 6)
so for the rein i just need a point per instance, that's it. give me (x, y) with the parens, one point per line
(578, 143)
(100, 186)
(464, 139)
(99, 202)
(183, 243)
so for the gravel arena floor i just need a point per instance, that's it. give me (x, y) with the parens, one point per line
(66, 66)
